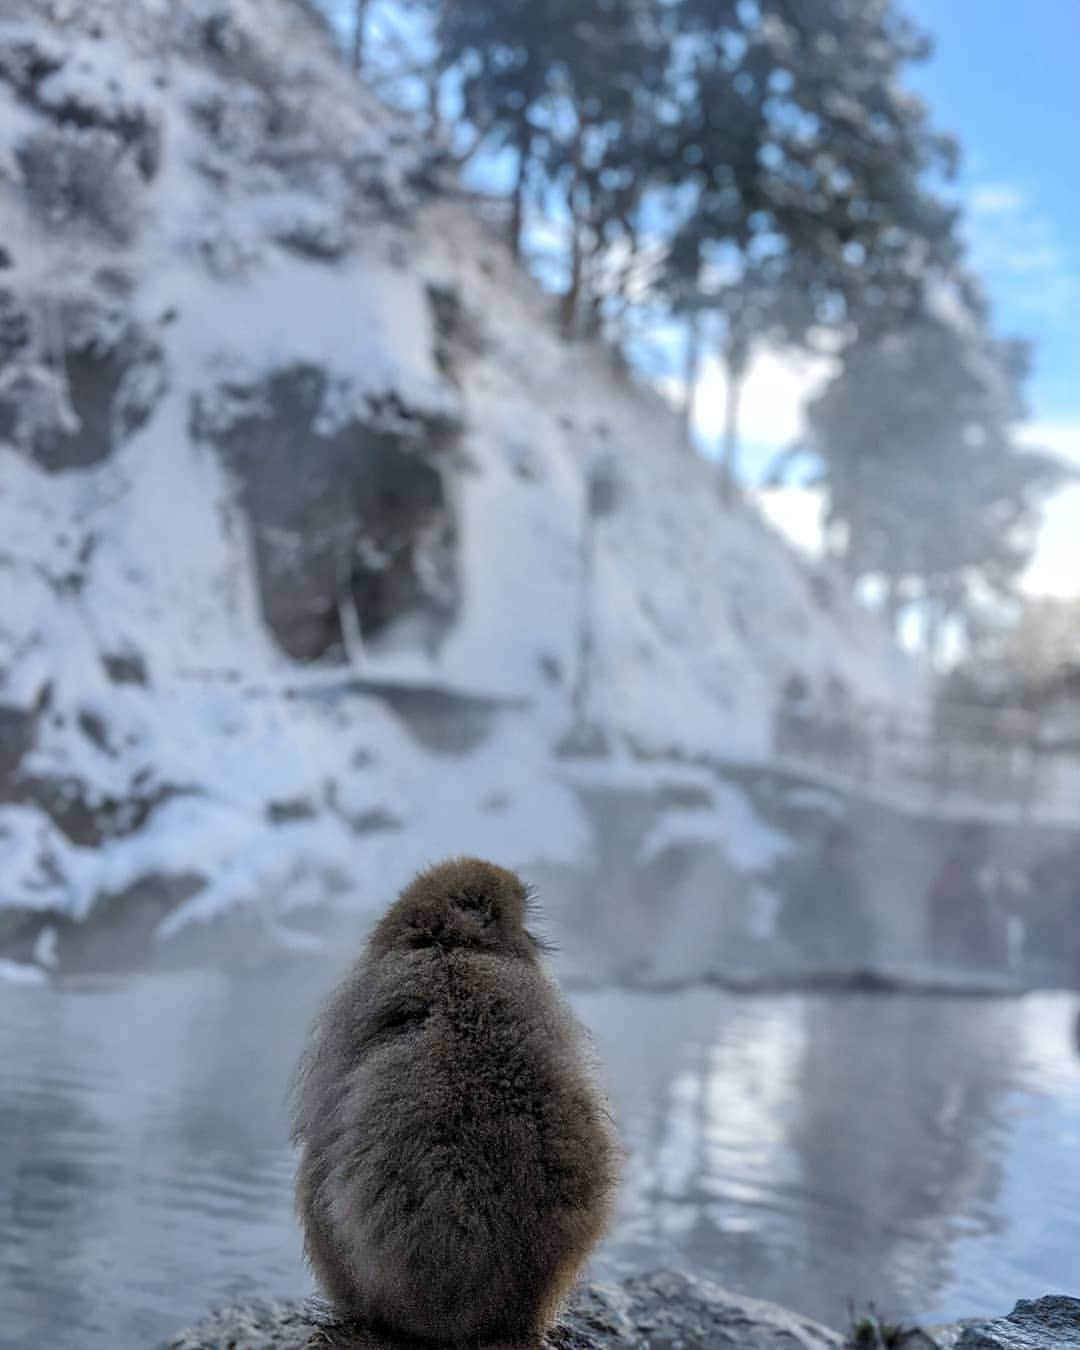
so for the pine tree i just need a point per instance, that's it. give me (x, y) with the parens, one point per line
(566, 91)
(800, 165)
(927, 487)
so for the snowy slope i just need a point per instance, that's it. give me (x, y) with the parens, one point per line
(200, 215)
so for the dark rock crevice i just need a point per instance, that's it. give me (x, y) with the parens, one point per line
(19, 733)
(352, 518)
(71, 411)
(85, 818)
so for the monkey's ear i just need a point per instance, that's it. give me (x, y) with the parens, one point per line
(475, 909)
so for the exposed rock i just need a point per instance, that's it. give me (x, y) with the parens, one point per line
(318, 237)
(924, 982)
(662, 1311)
(82, 815)
(20, 930)
(116, 936)
(125, 667)
(1050, 1323)
(651, 1312)
(457, 329)
(584, 740)
(15, 329)
(442, 722)
(296, 808)
(18, 728)
(109, 377)
(73, 176)
(368, 524)
(119, 933)
(29, 66)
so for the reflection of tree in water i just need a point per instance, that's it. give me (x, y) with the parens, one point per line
(701, 1085)
(808, 1149)
(901, 1132)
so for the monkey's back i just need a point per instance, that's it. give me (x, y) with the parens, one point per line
(458, 1160)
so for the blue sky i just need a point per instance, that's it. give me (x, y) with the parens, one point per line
(1004, 80)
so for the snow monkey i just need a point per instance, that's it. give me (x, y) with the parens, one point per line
(458, 1161)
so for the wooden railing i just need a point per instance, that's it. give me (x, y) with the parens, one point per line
(949, 754)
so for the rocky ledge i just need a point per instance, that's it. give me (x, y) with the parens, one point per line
(664, 1311)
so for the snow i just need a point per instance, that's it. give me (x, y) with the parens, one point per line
(15, 972)
(731, 822)
(700, 613)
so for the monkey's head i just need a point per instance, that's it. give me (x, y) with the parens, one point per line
(463, 903)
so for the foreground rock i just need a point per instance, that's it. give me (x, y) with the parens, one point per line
(663, 1311)
(656, 1311)
(1044, 1322)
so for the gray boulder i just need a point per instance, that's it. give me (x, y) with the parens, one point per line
(1051, 1323)
(664, 1311)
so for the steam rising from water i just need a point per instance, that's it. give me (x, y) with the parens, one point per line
(804, 1148)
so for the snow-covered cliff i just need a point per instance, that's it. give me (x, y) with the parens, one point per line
(292, 483)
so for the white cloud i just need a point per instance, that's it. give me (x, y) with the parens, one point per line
(995, 199)
(1055, 568)
(1021, 250)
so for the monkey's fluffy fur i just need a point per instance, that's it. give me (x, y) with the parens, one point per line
(458, 1162)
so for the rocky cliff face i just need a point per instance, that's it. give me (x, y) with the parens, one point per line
(292, 489)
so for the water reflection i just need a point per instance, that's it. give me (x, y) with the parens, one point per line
(150, 1176)
(919, 1152)
(927, 1084)
(816, 1149)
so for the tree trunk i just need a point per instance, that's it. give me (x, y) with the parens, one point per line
(691, 377)
(434, 78)
(359, 29)
(572, 299)
(591, 322)
(579, 697)
(434, 112)
(517, 202)
(934, 628)
(892, 605)
(352, 635)
(729, 456)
